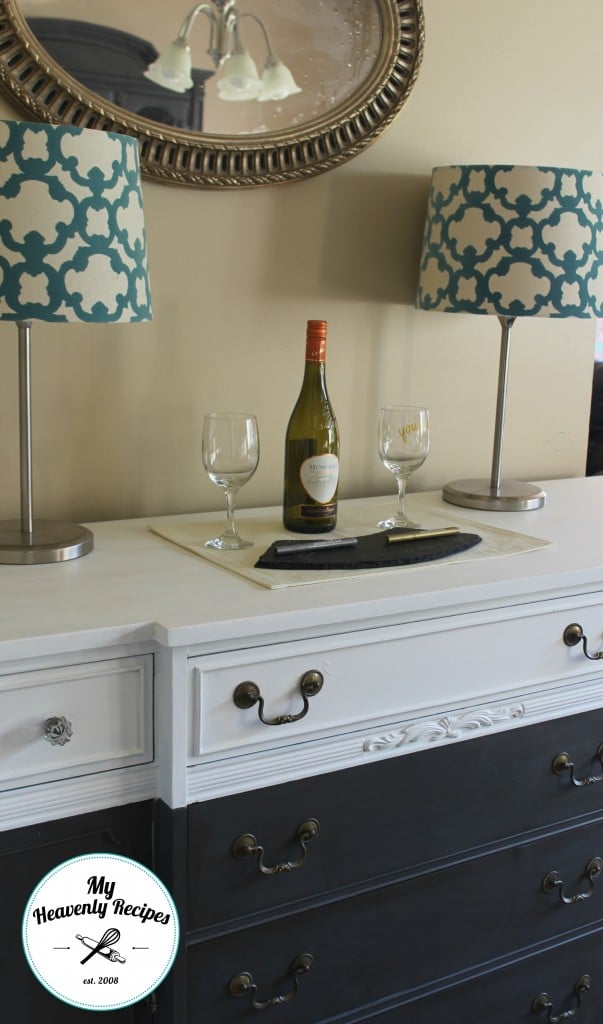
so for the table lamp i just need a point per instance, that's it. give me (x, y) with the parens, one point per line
(72, 249)
(511, 241)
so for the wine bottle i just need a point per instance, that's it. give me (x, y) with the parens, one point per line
(312, 446)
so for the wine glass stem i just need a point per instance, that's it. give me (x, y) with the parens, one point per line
(401, 481)
(231, 530)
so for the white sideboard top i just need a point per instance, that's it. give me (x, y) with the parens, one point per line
(136, 588)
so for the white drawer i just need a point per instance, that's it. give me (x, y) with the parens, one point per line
(108, 706)
(386, 674)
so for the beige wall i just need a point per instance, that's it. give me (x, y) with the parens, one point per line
(235, 275)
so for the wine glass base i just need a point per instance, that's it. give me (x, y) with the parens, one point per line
(228, 543)
(399, 523)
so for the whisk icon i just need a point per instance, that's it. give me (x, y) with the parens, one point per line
(103, 946)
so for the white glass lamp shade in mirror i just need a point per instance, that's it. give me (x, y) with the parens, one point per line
(277, 81)
(172, 69)
(238, 78)
(512, 241)
(72, 249)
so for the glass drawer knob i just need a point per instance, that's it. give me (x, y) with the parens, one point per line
(58, 730)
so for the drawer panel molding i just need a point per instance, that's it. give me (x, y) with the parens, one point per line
(59, 723)
(383, 674)
(222, 775)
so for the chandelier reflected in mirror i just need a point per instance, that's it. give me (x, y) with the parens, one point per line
(237, 77)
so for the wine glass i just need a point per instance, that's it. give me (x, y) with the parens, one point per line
(231, 452)
(403, 447)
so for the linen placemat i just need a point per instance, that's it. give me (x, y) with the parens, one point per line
(263, 528)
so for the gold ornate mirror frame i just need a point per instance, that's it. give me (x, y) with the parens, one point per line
(45, 92)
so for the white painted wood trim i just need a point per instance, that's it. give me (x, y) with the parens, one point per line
(224, 776)
(30, 805)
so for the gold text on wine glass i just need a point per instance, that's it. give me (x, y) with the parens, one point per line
(409, 428)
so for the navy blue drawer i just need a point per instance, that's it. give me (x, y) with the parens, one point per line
(383, 820)
(417, 932)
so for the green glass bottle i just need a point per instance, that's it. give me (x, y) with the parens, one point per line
(312, 446)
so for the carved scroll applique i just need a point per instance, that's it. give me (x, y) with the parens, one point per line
(446, 728)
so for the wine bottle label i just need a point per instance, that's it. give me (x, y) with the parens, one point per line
(318, 512)
(319, 476)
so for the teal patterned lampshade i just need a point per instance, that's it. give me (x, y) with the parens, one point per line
(72, 249)
(72, 234)
(511, 241)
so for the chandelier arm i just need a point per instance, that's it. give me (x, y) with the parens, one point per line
(191, 17)
(248, 14)
(224, 25)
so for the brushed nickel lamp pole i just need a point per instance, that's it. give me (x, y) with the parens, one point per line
(515, 242)
(497, 494)
(28, 540)
(24, 327)
(72, 250)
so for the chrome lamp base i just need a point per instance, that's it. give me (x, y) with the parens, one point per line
(508, 496)
(49, 541)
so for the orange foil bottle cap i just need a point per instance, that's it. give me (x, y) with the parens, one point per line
(316, 341)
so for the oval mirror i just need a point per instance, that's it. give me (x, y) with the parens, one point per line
(217, 95)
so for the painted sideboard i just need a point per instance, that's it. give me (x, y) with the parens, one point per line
(413, 834)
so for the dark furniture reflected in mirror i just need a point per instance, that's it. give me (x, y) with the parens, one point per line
(594, 460)
(111, 63)
(44, 88)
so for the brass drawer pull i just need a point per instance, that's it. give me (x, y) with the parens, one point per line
(247, 844)
(58, 730)
(243, 984)
(563, 763)
(592, 871)
(574, 634)
(544, 1002)
(248, 694)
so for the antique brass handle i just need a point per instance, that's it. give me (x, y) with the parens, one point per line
(58, 730)
(247, 844)
(243, 984)
(247, 694)
(574, 634)
(563, 763)
(544, 1002)
(554, 881)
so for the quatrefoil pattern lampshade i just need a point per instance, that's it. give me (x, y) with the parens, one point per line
(513, 241)
(72, 236)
